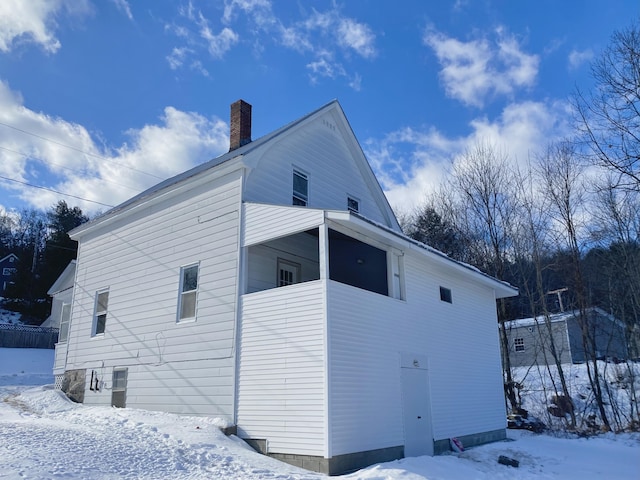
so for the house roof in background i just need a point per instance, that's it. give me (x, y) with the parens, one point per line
(65, 280)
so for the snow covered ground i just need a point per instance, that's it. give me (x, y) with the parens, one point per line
(45, 436)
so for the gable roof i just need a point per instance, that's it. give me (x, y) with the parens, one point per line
(236, 156)
(65, 280)
(8, 257)
(561, 317)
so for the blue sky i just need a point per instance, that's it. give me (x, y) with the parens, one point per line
(100, 99)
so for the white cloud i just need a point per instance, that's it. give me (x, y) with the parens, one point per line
(124, 7)
(177, 56)
(356, 36)
(474, 70)
(260, 11)
(34, 21)
(327, 39)
(577, 58)
(325, 66)
(411, 163)
(220, 43)
(63, 156)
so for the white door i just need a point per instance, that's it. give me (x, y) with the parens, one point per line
(288, 272)
(418, 439)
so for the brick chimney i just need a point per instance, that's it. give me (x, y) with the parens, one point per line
(240, 124)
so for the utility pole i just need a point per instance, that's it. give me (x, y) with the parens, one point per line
(559, 293)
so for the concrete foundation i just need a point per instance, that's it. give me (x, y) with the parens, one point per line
(442, 446)
(337, 465)
(73, 384)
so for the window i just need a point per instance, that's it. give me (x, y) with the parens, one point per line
(119, 388)
(300, 188)
(65, 316)
(9, 271)
(288, 273)
(188, 292)
(353, 205)
(445, 295)
(100, 316)
(519, 344)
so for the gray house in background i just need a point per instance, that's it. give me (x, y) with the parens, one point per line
(530, 338)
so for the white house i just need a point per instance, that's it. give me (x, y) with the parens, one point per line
(272, 287)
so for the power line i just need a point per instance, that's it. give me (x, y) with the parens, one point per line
(79, 150)
(55, 191)
(67, 168)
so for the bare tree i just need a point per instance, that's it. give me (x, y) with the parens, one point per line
(481, 209)
(609, 115)
(563, 182)
(532, 242)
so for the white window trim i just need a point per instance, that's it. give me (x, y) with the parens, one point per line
(296, 195)
(96, 313)
(63, 321)
(181, 293)
(294, 265)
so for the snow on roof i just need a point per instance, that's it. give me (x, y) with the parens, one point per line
(559, 317)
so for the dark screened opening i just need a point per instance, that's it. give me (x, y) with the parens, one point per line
(445, 295)
(357, 264)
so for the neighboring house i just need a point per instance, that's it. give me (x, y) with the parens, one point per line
(61, 295)
(8, 269)
(530, 339)
(272, 287)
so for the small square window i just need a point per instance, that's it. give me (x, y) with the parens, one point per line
(353, 205)
(188, 292)
(519, 344)
(300, 188)
(445, 295)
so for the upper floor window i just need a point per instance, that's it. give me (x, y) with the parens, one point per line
(65, 317)
(353, 205)
(9, 271)
(300, 188)
(188, 292)
(100, 315)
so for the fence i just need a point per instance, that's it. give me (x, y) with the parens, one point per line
(26, 336)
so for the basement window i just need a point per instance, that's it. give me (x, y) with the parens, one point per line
(519, 344)
(119, 388)
(445, 295)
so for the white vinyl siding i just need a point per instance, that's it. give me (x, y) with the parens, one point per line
(281, 372)
(319, 151)
(369, 332)
(265, 222)
(176, 367)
